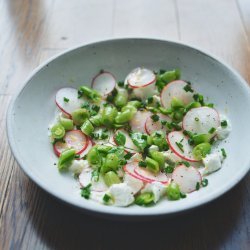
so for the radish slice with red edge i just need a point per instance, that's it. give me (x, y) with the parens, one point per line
(178, 143)
(151, 177)
(137, 124)
(73, 103)
(151, 126)
(187, 178)
(85, 178)
(175, 89)
(90, 145)
(130, 169)
(140, 77)
(201, 120)
(104, 83)
(129, 145)
(73, 139)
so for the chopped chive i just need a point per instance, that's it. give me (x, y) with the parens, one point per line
(164, 122)
(128, 156)
(142, 164)
(197, 186)
(186, 163)
(223, 123)
(77, 156)
(188, 133)
(224, 154)
(106, 198)
(85, 192)
(204, 182)
(180, 146)
(211, 131)
(182, 195)
(150, 100)
(155, 117)
(210, 105)
(168, 170)
(175, 126)
(120, 84)
(66, 99)
(188, 88)
(196, 119)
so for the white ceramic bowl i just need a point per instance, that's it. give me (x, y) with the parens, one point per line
(34, 107)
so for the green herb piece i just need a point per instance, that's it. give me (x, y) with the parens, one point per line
(106, 198)
(155, 117)
(204, 182)
(142, 164)
(188, 133)
(212, 130)
(197, 186)
(77, 156)
(65, 99)
(128, 156)
(168, 170)
(196, 119)
(223, 123)
(188, 88)
(210, 105)
(186, 163)
(120, 138)
(180, 146)
(120, 84)
(85, 192)
(182, 195)
(224, 154)
(199, 98)
(150, 100)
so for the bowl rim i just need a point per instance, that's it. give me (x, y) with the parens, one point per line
(99, 209)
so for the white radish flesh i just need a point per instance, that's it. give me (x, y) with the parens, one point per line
(175, 89)
(187, 178)
(178, 143)
(137, 124)
(73, 103)
(104, 83)
(90, 145)
(130, 169)
(151, 126)
(85, 178)
(148, 176)
(201, 120)
(129, 145)
(141, 77)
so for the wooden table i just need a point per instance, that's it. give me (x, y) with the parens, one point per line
(34, 30)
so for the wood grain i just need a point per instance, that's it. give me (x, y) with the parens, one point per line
(34, 30)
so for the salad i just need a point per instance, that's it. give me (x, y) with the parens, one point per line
(149, 137)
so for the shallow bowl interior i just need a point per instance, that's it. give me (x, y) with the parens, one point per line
(34, 107)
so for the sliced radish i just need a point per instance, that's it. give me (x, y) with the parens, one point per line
(175, 140)
(175, 89)
(73, 139)
(104, 83)
(130, 169)
(150, 177)
(73, 101)
(201, 120)
(129, 145)
(186, 178)
(85, 178)
(90, 145)
(137, 124)
(151, 126)
(141, 77)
